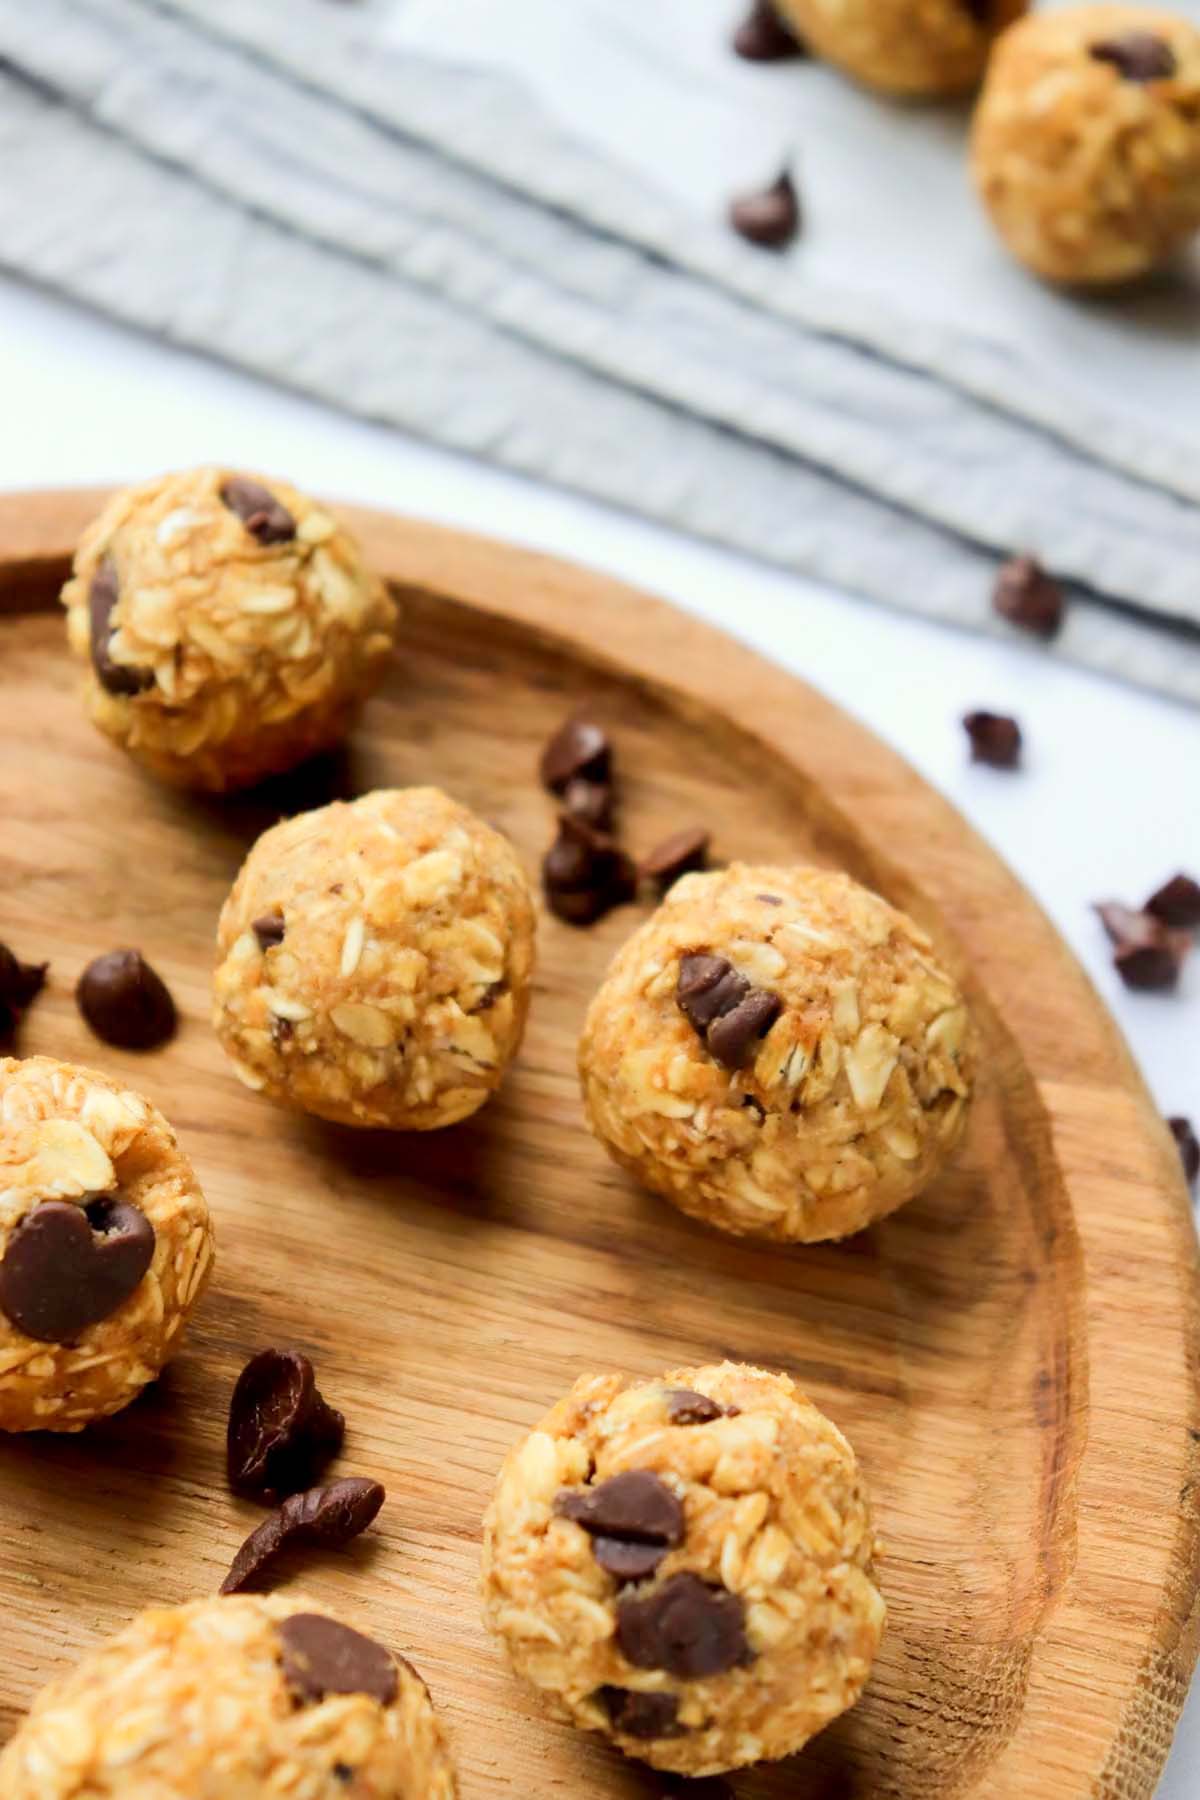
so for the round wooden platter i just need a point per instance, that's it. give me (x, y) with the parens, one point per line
(1013, 1355)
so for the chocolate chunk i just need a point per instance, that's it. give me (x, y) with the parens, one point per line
(995, 739)
(1136, 55)
(269, 929)
(328, 1516)
(1189, 1146)
(1149, 955)
(1177, 903)
(66, 1267)
(125, 1002)
(585, 873)
(264, 517)
(638, 1715)
(20, 985)
(707, 987)
(628, 1559)
(114, 677)
(762, 36)
(591, 801)
(732, 1037)
(579, 750)
(321, 1656)
(635, 1504)
(1026, 596)
(685, 1626)
(769, 218)
(1125, 925)
(680, 854)
(280, 1427)
(686, 1407)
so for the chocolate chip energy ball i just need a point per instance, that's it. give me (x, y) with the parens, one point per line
(1085, 147)
(685, 1565)
(920, 48)
(105, 1245)
(255, 1697)
(229, 625)
(779, 1053)
(374, 961)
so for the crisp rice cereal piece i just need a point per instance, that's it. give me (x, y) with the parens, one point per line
(909, 47)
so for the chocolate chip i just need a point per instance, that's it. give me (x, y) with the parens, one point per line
(762, 36)
(328, 1516)
(732, 1037)
(67, 1267)
(770, 899)
(638, 1715)
(1026, 596)
(1189, 1146)
(20, 985)
(1136, 55)
(685, 1626)
(769, 218)
(282, 1031)
(280, 1427)
(585, 873)
(707, 987)
(995, 739)
(1177, 903)
(125, 1002)
(114, 677)
(264, 517)
(269, 929)
(1125, 925)
(686, 1407)
(634, 1504)
(591, 801)
(1149, 955)
(322, 1656)
(627, 1559)
(579, 750)
(680, 854)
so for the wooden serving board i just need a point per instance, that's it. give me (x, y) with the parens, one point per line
(1013, 1355)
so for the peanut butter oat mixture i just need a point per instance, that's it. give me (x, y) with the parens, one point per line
(779, 1053)
(908, 47)
(229, 625)
(105, 1245)
(374, 961)
(240, 1699)
(684, 1564)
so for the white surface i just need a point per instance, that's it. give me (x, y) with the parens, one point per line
(1100, 809)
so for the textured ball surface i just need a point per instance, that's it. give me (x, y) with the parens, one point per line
(918, 48)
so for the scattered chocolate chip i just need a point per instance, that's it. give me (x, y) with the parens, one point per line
(489, 997)
(280, 1427)
(638, 1715)
(591, 801)
(1026, 596)
(282, 1030)
(579, 750)
(342, 1772)
(114, 677)
(269, 929)
(680, 854)
(1189, 1146)
(1148, 955)
(686, 1407)
(20, 985)
(264, 517)
(66, 1267)
(585, 873)
(328, 1516)
(125, 1002)
(1125, 925)
(635, 1504)
(1177, 903)
(732, 1037)
(762, 36)
(628, 1559)
(1136, 55)
(685, 1626)
(321, 1656)
(995, 739)
(707, 986)
(770, 217)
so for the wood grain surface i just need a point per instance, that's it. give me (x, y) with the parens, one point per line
(1013, 1355)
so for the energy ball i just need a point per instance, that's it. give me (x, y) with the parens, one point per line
(1085, 147)
(779, 1053)
(374, 961)
(105, 1245)
(917, 48)
(685, 1565)
(256, 1696)
(230, 626)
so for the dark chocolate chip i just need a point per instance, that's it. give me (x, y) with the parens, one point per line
(685, 1626)
(707, 986)
(578, 751)
(20, 985)
(125, 1002)
(1177, 903)
(322, 1656)
(282, 1031)
(269, 929)
(1148, 955)
(1136, 55)
(488, 998)
(280, 1427)
(264, 517)
(1189, 1146)
(634, 1504)
(770, 217)
(638, 1715)
(585, 873)
(680, 854)
(762, 36)
(1026, 596)
(114, 677)
(591, 801)
(732, 1037)
(1125, 925)
(686, 1407)
(628, 1559)
(342, 1772)
(328, 1516)
(67, 1267)
(995, 739)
